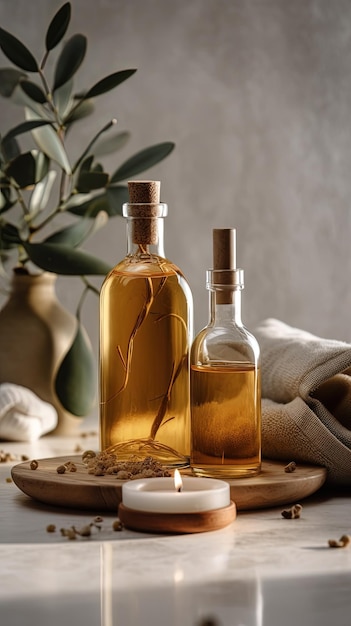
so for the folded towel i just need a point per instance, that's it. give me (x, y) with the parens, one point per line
(23, 416)
(306, 398)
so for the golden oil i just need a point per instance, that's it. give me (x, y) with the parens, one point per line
(226, 417)
(145, 337)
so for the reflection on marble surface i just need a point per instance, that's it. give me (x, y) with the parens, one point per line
(92, 591)
(262, 570)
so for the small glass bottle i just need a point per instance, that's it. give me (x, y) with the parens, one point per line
(146, 329)
(225, 377)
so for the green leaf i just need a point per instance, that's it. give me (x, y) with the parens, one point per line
(86, 165)
(22, 170)
(142, 161)
(14, 49)
(88, 181)
(42, 165)
(110, 201)
(62, 98)
(10, 149)
(87, 150)
(62, 259)
(41, 194)
(117, 195)
(6, 202)
(33, 91)
(58, 26)
(49, 142)
(9, 79)
(79, 111)
(70, 59)
(72, 235)
(108, 145)
(86, 204)
(108, 83)
(28, 168)
(20, 98)
(75, 383)
(75, 234)
(24, 127)
(97, 167)
(9, 234)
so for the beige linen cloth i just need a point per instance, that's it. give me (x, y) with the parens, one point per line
(306, 399)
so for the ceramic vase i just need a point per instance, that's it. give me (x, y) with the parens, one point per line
(35, 334)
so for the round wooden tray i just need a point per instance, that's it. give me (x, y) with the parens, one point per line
(80, 490)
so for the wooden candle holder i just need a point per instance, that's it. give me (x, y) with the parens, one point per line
(198, 522)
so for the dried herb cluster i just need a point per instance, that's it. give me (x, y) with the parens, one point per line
(107, 463)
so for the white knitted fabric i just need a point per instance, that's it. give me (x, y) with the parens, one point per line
(24, 416)
(306, 398)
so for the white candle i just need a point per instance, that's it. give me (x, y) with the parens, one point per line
(160, 495)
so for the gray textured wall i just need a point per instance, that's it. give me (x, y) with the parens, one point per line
(257, 96)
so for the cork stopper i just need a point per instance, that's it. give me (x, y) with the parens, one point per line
(144, 191)
(144, 207)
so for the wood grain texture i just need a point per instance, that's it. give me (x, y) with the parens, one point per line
(80, 490)
(177, 522)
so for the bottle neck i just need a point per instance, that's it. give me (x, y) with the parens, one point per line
(222, 314)
(145, 228)
(145, 236)
(225, 288)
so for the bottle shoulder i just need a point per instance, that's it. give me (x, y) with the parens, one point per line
(225, 344)
(146, 265)
(132, 272)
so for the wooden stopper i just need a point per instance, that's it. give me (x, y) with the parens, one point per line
(144, 198)
(224, 258)
(224, 248)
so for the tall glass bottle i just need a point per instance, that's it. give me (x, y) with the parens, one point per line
(146, 328)
(225, 376)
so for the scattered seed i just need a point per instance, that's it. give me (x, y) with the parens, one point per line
(85, 531)
(71, 533)
(117, 525)
(61, 469)
(6, 457)
(87, 455)
(8, 479)
(51, 528)
(34, 465)
(343, 542)
(70, 466)
(290, 467)
(293, 513)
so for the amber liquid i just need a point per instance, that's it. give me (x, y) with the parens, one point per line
(144, 366)
(225, 420)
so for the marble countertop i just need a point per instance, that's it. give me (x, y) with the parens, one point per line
(262, 570)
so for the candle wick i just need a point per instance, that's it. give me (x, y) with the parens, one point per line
(180, 489)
